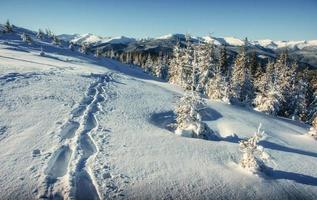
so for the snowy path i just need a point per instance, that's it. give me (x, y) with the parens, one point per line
(77, 147)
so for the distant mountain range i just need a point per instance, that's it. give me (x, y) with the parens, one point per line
(305, 51)
(229, 41)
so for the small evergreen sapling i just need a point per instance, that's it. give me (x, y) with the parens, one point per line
(8, 28)
(189, 120)
(84, 49)
(42, 52)
(40, 34)
(253, 157)
(71, 46)
(98, 52)
(26, 38)
(56, 41)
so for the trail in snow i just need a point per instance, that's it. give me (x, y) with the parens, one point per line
(76, 148)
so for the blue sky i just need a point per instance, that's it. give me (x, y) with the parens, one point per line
(255, 19)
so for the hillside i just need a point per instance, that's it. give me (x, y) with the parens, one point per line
(73, 126)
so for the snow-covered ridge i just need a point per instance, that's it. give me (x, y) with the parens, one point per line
(94, 39)
(233, 41)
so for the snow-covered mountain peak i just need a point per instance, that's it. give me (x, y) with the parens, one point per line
(171, 36)
(233, 41)
(90, 38)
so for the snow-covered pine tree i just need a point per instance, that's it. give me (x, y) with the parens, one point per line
(254, 156)
(285, 79)
(312, 110)
(218, 86)
(187, 70)
(42, 52)
(84, 48)
(313, 130)
(255, 69)
(26, 38)
(136, 59)
(299, 102)
(49, 33)
(242, 86)
(112, 54)
(98, 52)
(189, 121)
(223, 61)
(148, 66)
(71, 46)
(55, 40)
(8, 27)
(176, 64)
(269, 98)
(128, 58)
(40, 34)
(206, 65)
(160, 69)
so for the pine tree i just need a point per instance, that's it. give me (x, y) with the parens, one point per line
(206, 65)
(269, 97)
(285, 74)
(160, 69)
(299, 102)
(255, 70)
(313, 130)
(242, 86)
(254, 156)
(186, 71)
(112, 54)
(8, 28)
(26, 38)
(98, 52)
(189, 121)
(128, 58)
(218, 87)
(223, 61)
(55, 40)
(312, 110)
(148, 66)
(176, 64)
(84, 48)
(71, 46)
(40, 34)
(49, 33)
(42, 52)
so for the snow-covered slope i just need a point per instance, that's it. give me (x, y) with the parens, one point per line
(79, 127)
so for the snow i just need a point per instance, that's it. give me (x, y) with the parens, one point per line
(233, 41)
(87, 39)
(94, 39)
(171, 36)
(213, 40)
(68, 37)
(75, 126)
(120, 40)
